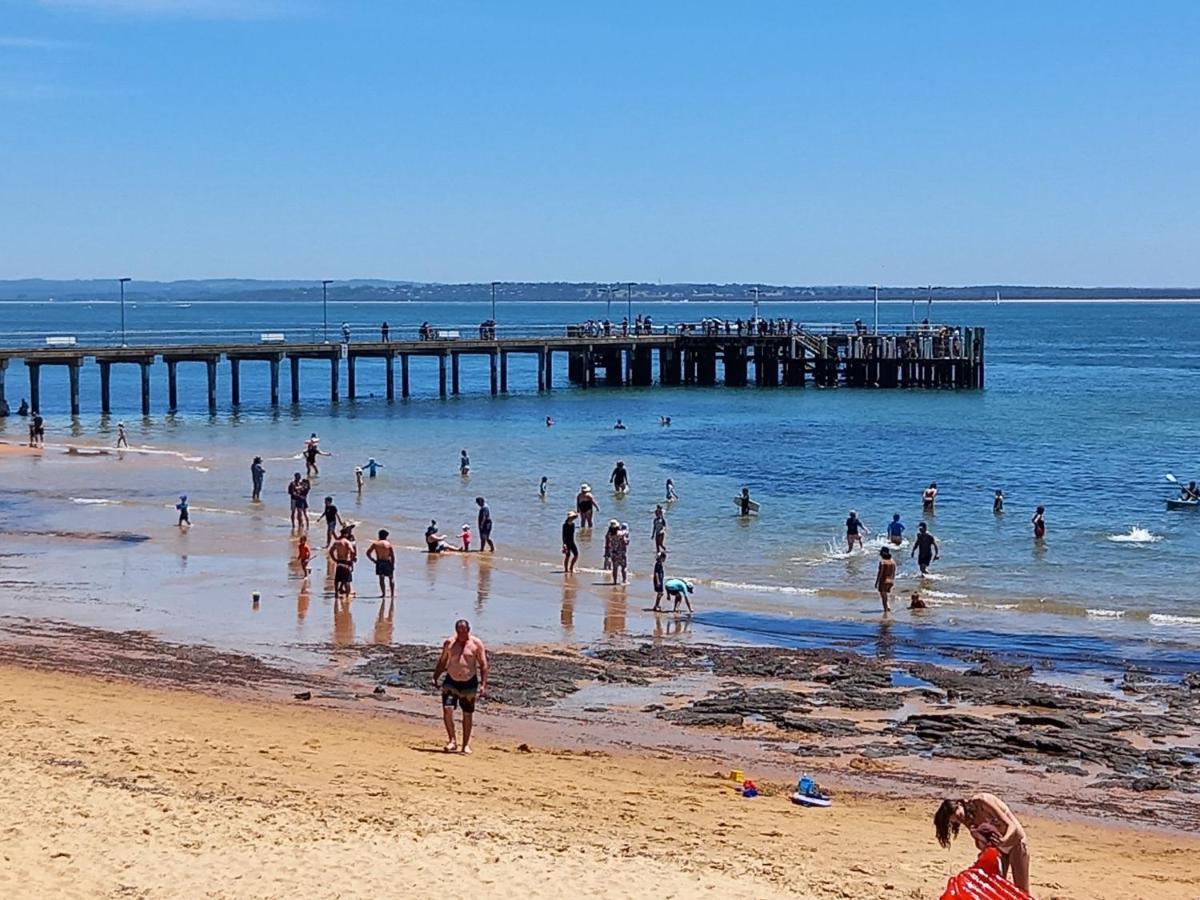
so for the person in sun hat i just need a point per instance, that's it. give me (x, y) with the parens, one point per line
(570, 549)
(585, 505)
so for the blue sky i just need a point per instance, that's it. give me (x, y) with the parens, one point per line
(849, 142)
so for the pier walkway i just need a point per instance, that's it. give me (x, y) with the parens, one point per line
(937, 356)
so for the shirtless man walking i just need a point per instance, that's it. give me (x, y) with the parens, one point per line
(383, 555)
(464, 663)
(344, 555)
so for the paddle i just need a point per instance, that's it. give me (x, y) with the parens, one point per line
(1171, 478)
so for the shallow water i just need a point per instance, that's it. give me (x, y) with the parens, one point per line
(1087, 406)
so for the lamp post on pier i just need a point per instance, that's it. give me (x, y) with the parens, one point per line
(757, 291)
(122, 283)
(877, 309)
(494, 283)
(629, 302)
(325, 306)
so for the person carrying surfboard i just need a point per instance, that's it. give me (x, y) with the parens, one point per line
(745, 501)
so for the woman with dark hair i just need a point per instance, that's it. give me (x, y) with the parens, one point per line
(992, 824)
(885, 578)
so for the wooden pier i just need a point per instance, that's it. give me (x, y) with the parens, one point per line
(916, 357)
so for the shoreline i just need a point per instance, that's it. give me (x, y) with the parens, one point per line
(141, 790)
(847, 719)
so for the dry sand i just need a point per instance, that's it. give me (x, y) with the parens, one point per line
(117, 790)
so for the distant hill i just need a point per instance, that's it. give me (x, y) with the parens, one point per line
(377, 289)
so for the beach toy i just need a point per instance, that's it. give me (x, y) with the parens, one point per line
(809, 793)
(737, 775)
(749, 788)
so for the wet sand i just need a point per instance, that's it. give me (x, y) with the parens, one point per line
(120, 789)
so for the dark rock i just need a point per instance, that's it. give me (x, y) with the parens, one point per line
(303, 695)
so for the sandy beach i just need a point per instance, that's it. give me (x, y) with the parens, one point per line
(116, 789)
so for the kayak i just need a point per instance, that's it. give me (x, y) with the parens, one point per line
(1183, 504)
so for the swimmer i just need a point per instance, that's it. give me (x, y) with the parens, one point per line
(915, 602)
(744, 501)
(464, 464)
(358, 479)
(311, 452)
(619, 478)
(998, 503)
(1039, 523)
(543, 487)
(372, 466)
(549, 422)
(925, 548)
(671, 495)
(895, 530)
(929, 497)
(620, 426)
(885, 578)
(383, 555)
(854, 529)
(585, 505)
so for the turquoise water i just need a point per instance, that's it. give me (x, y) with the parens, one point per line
(1086, 407)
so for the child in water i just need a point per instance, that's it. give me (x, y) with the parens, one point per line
(465, 537)
(303, 554)
(358, 478)
(542, 488)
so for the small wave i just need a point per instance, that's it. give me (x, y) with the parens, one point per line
(198, 468)
(1166, 619)
(944, 595)
(214, 509)
(1106, 613)
(763, 588)
(1136, 535)
(93, 500)
(1006, 606)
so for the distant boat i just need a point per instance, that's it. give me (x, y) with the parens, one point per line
(997, 298)
(183, 305)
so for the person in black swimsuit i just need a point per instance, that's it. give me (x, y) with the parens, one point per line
(570, 550)
(925, 548)
(620, 478)
(585, 505)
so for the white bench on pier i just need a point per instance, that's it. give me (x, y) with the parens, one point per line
(441, 335)
(64, 340)
(272, 337)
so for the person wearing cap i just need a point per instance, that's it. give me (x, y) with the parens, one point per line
(570, 549)
(585, 505)
(678, 590)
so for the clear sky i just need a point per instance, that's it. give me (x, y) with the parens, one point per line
(784, 142)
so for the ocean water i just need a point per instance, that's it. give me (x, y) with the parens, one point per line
(1087, 406)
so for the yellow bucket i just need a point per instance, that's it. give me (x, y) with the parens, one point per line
(737, 775)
